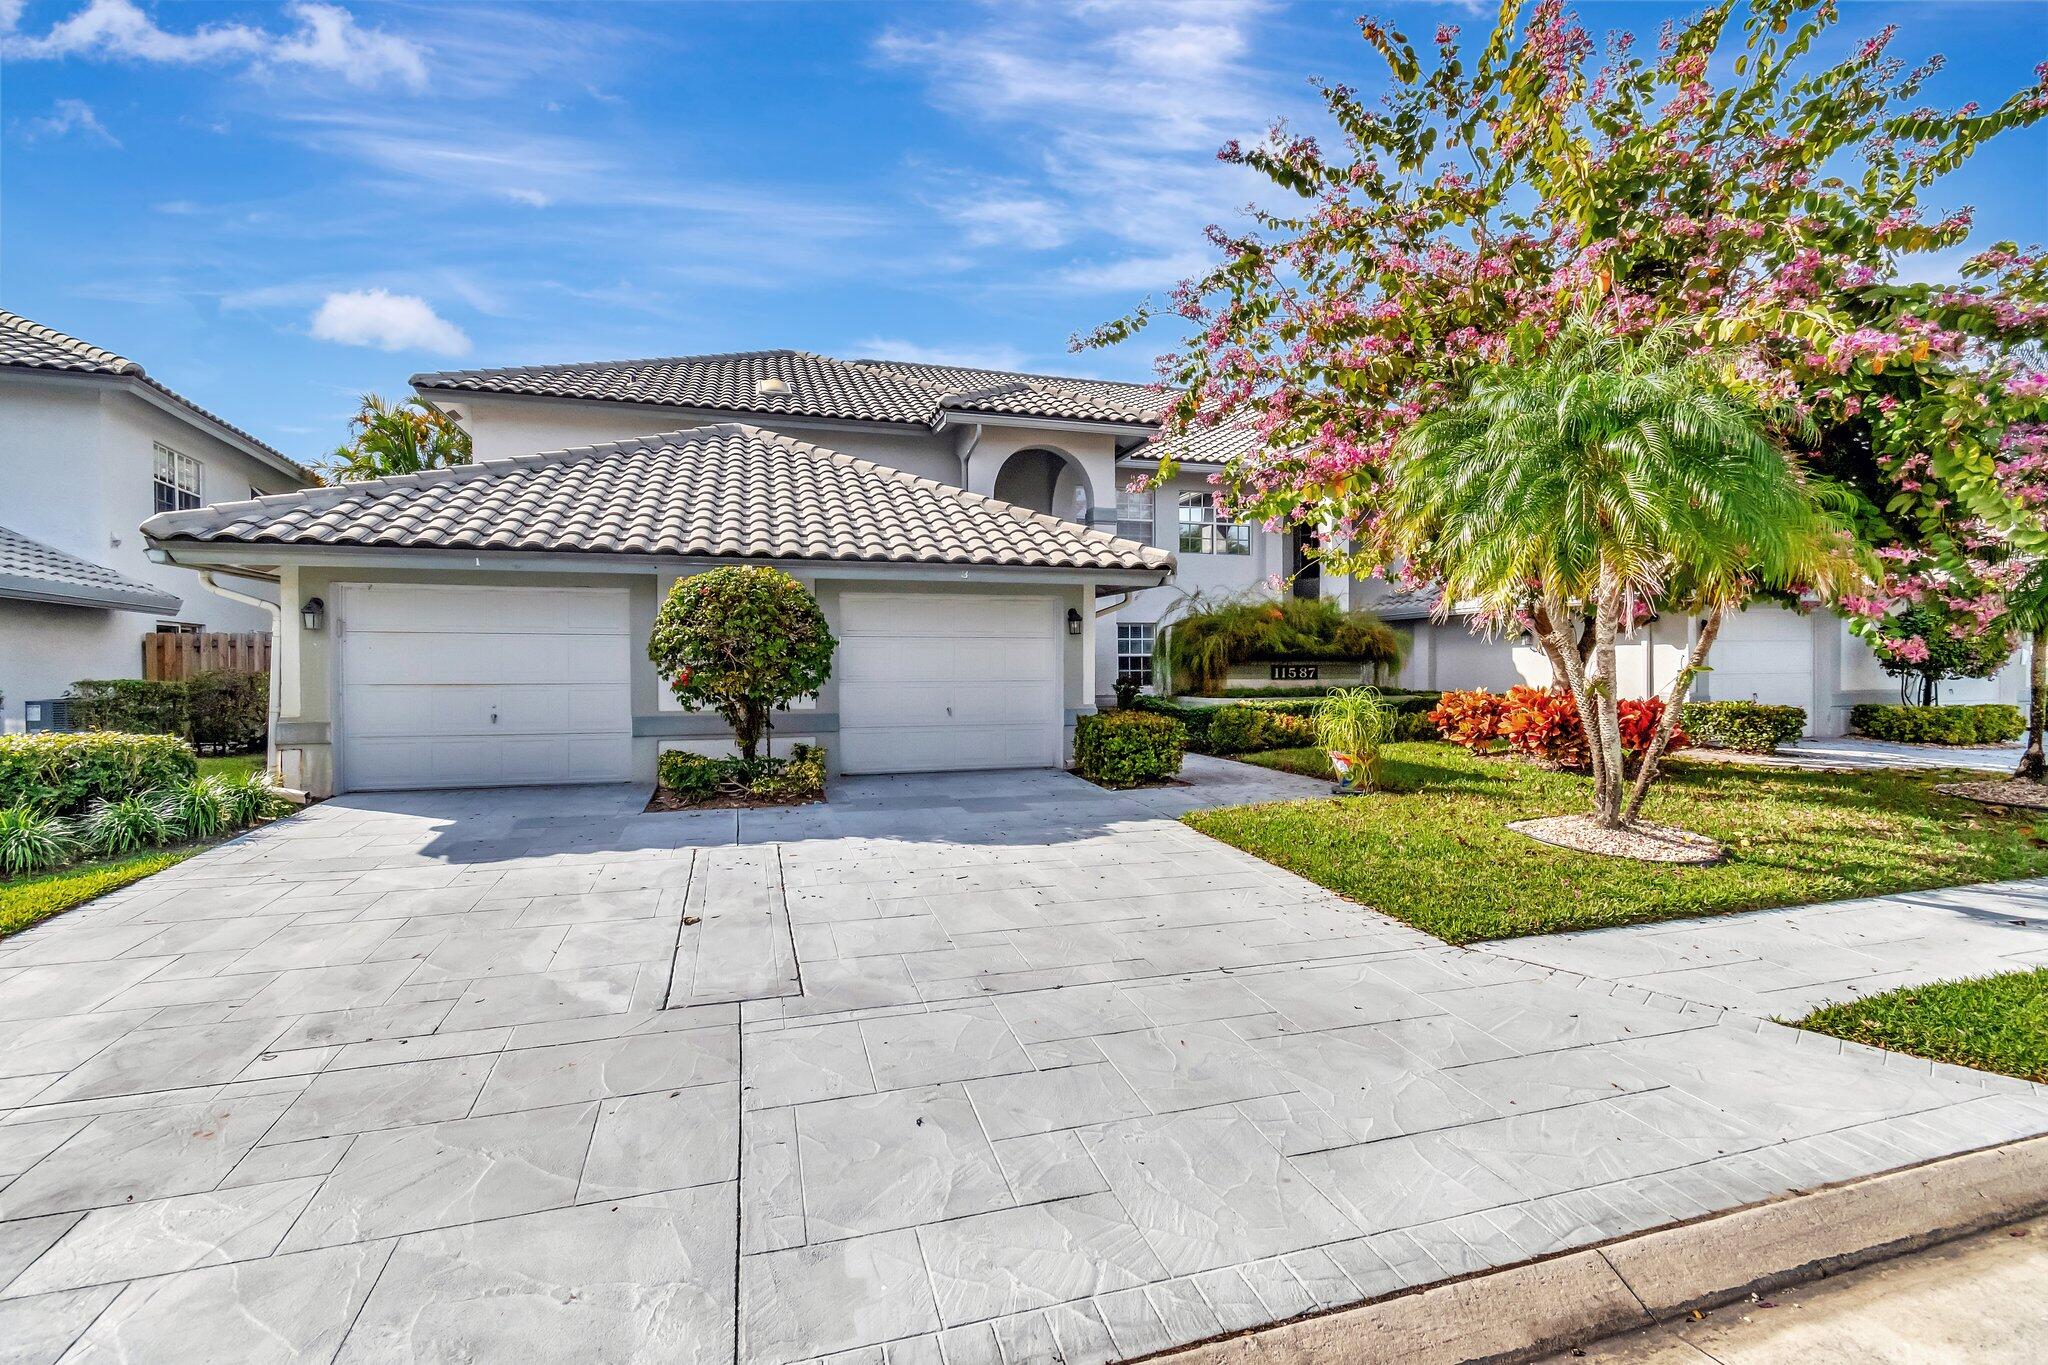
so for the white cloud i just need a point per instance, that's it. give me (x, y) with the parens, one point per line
(995, 218)
(972, 357)
(531, 198)
(1130, 160)
(390, 322)
(327, 38)
(67, 117)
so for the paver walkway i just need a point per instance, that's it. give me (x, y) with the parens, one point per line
(966, 1068)
(1851, 751)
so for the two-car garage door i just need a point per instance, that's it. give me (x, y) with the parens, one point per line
(932, 682)
(475, 687)
(460, 687)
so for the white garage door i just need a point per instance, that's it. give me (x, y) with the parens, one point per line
(478, 687)
(935, 682)
(1763, 654)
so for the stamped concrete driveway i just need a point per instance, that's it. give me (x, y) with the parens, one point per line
(961, 1069)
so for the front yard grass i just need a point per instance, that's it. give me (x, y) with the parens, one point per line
(29, 900)
(1434, 852)
(232, 767)
(1992, 1023)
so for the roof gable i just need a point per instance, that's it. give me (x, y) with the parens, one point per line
(28, 345)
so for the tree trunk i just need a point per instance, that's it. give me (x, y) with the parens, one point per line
(1674, 697)
(2034, 762)
(1560, 642)
(1605, 728)
(748, 721)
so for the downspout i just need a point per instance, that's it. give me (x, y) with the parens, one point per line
(276, 610)
(966, 449)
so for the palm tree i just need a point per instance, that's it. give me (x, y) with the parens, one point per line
(398, 438)
(1611, 471)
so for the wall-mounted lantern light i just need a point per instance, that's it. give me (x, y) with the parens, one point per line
(314, 614)
(1073, 621)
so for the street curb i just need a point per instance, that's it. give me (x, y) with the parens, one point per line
(1581, 1296)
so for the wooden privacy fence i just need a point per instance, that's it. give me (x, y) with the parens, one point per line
(173, 658)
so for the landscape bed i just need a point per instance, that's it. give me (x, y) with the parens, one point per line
(1434, 850)
(1992, 1023)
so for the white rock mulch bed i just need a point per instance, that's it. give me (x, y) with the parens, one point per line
(1642, 841)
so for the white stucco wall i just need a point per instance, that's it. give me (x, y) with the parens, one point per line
(76, 461)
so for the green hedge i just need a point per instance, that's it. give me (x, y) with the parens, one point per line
(697, 778)
(1749, 726)
(1124, 748)
(1985, 724)
(1411, 716)
(63, 774)
(215, 710)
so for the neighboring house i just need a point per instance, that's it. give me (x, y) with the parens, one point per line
(1764, 653)
(90, 446)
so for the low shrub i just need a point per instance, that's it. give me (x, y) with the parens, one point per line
(1124, 748)
(1412, 718)
(1982, 724)
(1255, 729)
(198, 809)
(694, 779)
(214, 710)
(800, 778)
(1752, 727)
(32, 841)
(129, 824)
(252, 799)
(63, 774)
(1470, 720)
(1543, 724)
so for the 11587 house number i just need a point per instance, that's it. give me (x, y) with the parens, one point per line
(1296, 672)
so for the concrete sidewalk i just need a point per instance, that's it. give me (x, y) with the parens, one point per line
(1982, 1299)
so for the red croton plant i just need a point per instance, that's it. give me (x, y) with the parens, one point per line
(1461, 217)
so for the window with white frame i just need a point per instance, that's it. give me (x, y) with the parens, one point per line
(1134, 514)
(1134, 651)
(176, 480)
(1202, 532)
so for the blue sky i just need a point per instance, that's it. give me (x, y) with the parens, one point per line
(278, 207)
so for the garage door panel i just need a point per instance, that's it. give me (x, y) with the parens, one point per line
(871, 750)
(943, 615)
(451, 704)
(541, 611)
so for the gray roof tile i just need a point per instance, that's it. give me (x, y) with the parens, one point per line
(35, 572)
(816, 386)
(32, 346)
(731, 491)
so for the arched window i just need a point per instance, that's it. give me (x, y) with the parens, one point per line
(1202, 532)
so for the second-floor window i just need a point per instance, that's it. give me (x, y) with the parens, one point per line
(1202, 532)
(176, 480)
(1134, 514)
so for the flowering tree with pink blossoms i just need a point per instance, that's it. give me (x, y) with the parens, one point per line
(1497, 188)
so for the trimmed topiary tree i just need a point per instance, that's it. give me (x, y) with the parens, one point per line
(741, 642)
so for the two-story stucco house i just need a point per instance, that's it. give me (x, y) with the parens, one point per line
(970, 535)
(90, 446)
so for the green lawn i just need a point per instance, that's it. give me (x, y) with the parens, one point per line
(1434, 852)
(26, 900)
(1994, 1023)
(234, 767)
